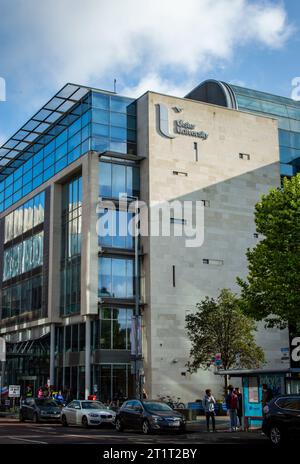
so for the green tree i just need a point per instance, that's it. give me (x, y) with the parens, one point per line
(271, 291)
(219, 326)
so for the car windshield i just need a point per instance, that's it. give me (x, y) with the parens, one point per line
(46, 402)
(92, 405)
(153, 407)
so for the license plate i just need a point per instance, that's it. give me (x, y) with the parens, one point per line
(174, 424)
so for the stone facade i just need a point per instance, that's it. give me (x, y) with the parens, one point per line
(231, 186)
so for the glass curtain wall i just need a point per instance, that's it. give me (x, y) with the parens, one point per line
(71, 247)
(22, 280)
(287, 112)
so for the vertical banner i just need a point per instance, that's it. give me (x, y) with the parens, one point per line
(133, 336)
(136, 336)
(2, 350)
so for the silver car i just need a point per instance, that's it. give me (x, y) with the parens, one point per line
(86, 413)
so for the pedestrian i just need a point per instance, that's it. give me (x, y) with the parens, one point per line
(232, 406)
(59, 397)
(28, 393)
(267, 395)
(209, 408)
(40, 393)
(240, 406)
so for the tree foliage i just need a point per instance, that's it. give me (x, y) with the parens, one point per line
(220, 326)
(271, 291)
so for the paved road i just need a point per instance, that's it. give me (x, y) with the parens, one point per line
(14, 432)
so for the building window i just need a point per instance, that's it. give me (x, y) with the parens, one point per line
(24, 218)
(180, 173)
(206, 203)
(115, 381)
(23, 297)
(174, 276)
(118, 179)
(23, 257)
(71, 247)
(115, 329)
(115, 278)
(214, 262)
(196, 151)
(244, 156)
(114, 229)
(178, 221)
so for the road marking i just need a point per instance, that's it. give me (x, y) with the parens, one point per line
(27, 440)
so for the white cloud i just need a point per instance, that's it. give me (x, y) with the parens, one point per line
(154, 82)
(93, 41)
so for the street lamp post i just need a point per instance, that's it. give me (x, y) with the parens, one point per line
(137, 298)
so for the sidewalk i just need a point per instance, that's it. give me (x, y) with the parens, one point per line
(222, 424)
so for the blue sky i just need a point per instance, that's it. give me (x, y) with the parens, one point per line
(167, 46)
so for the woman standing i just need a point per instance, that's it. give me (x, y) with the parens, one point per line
(209, 408)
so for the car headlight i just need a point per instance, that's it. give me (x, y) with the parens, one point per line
(92, 414)
(157, 418)
(44, 413)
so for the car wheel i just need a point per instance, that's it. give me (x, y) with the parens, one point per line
(35, 418)
(276, 435)
(85, 422)
(146, 428)
(64, 421)
(119, 425)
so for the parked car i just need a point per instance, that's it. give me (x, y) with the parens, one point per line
(149, 416)
(40, 409)
(87, 413)
(282, 418)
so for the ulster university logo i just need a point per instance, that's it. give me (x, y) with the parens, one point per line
(180, 126)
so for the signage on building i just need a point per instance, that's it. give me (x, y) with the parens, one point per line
(186, 128)
(181, 127)
(14, 391)
(295, 352)
(285, 353)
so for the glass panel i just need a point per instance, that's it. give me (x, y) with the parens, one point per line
(118, 180)
(119, 104)
(100, 101)
(105, 284)
(100, 116)
(105, 181)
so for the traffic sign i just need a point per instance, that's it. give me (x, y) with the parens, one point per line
(14, 391)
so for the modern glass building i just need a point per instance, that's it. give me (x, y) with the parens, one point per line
(86, 306)
(285, 110)
(76, 121)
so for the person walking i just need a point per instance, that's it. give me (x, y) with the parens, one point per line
(232, 406)
(209, 408)
(240, 406)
